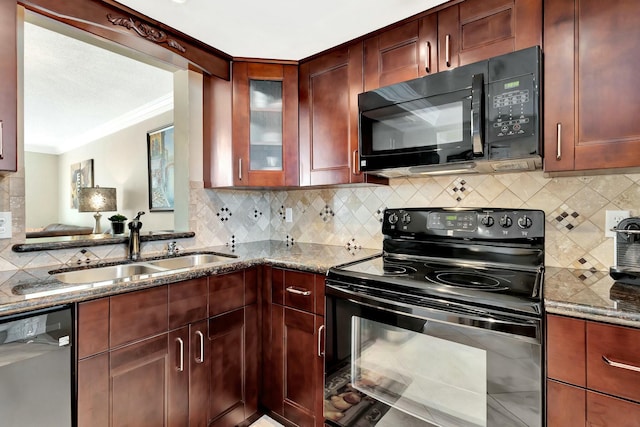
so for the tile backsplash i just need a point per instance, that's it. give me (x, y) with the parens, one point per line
(350, 216)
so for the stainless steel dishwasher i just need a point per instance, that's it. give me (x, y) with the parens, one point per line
(36, 368)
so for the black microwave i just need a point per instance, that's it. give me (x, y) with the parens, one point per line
(480, 117)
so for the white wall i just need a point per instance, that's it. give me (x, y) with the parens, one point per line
(42, 209)
(120, 161)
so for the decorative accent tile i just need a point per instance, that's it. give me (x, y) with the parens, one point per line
(459, 189)
(224, 214)
(256, 214)
(83, 256)
(588, 270)
(327, 213)
(352, 246)
(232, 242)
(282, 212)
(289, 240)
(564, 218)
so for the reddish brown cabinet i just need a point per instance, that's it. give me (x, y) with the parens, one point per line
(591, 56)
(329, 88)
(164, 356)
(9, 87)
(474, 30)
(592, 373)
(401, 53)
(293, 332)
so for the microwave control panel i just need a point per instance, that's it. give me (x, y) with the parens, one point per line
(512, 108)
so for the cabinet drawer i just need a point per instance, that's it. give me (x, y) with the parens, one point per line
(294, 289)
(607, 411)
(565, 349)
(226, 293)
(138, 315)
(93, 327)
(188, 302)
(613, 360)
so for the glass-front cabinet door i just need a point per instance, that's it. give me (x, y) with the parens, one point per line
(265, 124)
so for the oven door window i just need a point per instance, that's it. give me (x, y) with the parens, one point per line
(451, 385)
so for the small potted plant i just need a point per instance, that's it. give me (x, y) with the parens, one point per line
(117, 223)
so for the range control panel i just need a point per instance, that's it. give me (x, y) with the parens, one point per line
(478, 223)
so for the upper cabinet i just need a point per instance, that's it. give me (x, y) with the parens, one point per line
(329, 88)
(591, 58)
(265, 124)
(480, 29)
(8, 88)
(401, 53)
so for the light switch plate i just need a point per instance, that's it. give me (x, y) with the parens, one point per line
(288, 215)
(5, 225)
(612, 220)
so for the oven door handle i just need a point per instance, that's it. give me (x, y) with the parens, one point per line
(524, 329)
(477, 86)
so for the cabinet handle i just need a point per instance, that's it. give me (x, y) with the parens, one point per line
(240, 168)
(297, 291)
(1, 140)
(200, 359)
(427, 61)
(356, 167)
(320, 352)
(559, 141)
(617, 364)
(447, 49)
(181, 351)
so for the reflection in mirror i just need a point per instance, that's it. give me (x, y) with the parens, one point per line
(88, 103)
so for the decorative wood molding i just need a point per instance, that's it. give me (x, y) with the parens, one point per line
(146, 31)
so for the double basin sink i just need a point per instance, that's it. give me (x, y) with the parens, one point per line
(141, 269)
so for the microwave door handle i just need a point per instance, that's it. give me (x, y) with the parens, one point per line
(477, 86)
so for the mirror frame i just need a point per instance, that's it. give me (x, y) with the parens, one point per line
(113, 23)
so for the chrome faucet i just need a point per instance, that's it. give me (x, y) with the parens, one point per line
(134, 237)
(172, 249)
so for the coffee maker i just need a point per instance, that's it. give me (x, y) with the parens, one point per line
(627, 252)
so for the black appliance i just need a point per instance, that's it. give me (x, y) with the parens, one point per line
(480, 117)
(627, 252)
(444, 327)
(36, 360)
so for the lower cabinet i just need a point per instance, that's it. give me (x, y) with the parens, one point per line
(593, 371)
(164, 357)
(293, 381)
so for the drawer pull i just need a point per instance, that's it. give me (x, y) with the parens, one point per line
(180, 367)
(622, 365)
(200, 358)
(297, 291)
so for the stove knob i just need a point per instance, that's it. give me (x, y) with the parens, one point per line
(393, 218)
(406, 218)
(487, 221)
(505, 222)
(524, 222)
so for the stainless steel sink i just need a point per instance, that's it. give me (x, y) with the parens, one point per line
(101, 274)
(187, 261)
(139, 269)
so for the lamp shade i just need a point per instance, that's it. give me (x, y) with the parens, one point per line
(97, 199)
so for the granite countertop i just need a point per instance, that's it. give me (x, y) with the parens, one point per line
(591, 295)
(585, 294)
(30, 289)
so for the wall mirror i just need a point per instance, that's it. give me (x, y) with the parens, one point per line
(89, 104)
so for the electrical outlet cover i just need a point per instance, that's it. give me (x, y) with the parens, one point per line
(612, 220)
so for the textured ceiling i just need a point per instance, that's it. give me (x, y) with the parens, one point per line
(278, 29)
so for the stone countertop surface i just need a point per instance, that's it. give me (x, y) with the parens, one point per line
(591, 295)
(586, 294)
(30, 289)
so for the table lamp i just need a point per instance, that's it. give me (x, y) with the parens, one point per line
(97, 199)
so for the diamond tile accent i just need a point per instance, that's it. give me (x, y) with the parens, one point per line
(224, 214)
(564, 218)
(327, 213)
(353, 246)
(459, 189)
(84, 256)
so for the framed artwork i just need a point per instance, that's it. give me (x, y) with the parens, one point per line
(160, 151)
(81, 176)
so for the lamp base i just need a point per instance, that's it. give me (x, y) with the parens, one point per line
(97, 229)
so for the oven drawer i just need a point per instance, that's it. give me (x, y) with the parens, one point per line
(613, 360)
(300, 290)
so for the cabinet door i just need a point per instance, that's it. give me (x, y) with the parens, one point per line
(139, 383)
(265, 124)
(591, 59)
(178, 388)
(566, 405)
(93, 391)
(329, 88)
(199, 374)
(480, 29)
(302, 384)
(226, 345)
(401, 53)
(608, 411)
(9, 87)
